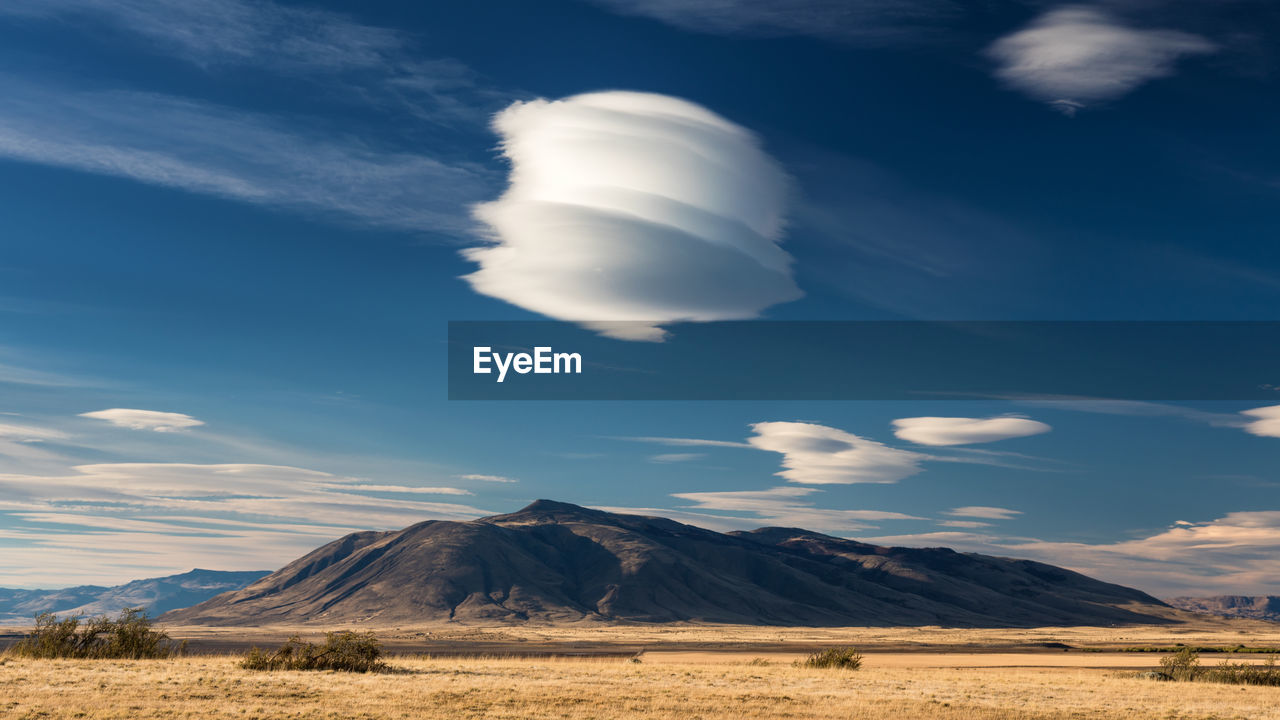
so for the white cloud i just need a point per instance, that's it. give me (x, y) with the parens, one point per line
(964, 431)
(145, 419)
(820, 455)
(488, 478)
(864, 21)
(779, 506)
(629, 211)
(113, 521)
(1267, 423)
(1075, 55)
(964, 524)
(29, 433)
(202, 148)
(983, 511)
(367, 63)
(1238, 554)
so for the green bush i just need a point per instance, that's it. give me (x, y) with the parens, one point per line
(1266, 673)
(1182, 666)
(127, 637)
(844, 658)
(347, 651)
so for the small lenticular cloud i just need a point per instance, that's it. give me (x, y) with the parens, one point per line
(629, 211)
(145, 419)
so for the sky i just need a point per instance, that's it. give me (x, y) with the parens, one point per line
(234, 234)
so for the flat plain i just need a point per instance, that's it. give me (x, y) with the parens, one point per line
(604, 671)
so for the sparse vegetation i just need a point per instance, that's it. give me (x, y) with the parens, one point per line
(844, 658)
(127, 637)
(1184, 666)
(345, 651)
(1203, 649)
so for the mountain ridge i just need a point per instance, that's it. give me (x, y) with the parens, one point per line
(1252, 607)
(557, 562)
(157, 595)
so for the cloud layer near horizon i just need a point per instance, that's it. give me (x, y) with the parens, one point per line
(108, 521)
(1076, 55)
(633, 207)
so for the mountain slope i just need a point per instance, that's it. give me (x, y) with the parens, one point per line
(157, 595)
(559, 562)
(1253, 607)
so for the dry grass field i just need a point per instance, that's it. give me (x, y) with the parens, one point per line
(685, 673)
(734, 687)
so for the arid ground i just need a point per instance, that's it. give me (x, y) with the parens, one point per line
(666, 672)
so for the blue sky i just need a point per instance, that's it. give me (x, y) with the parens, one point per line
(234, 233)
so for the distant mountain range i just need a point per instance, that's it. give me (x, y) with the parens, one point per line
(556, 562)
(1254, 607)
(157, 595)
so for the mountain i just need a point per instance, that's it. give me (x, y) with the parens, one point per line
(157, 595)
(556, 562)
(1254, 607)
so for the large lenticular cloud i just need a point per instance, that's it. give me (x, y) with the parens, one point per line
(633, 207)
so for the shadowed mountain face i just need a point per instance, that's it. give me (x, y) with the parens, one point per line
(558, 562)
(1254, 607)
(156, 595)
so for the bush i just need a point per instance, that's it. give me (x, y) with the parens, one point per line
(844, 658)
(347, 651)
(1183, 665)
(128, 637)
(1266, 673)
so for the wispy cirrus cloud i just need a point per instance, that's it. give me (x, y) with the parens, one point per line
(630, 211)
(372, 64)
(153, 420)
(866, 21)
(488, 478)
(201, 148)
(1076, 55)
(784, 506)
(119, 520)
(983, 511)
(1238, 553)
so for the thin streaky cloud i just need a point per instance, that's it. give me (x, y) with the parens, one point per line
(372, 64)
(488, 478)
(684, 442)
(211, 150)
(983, 511)
(873, 22)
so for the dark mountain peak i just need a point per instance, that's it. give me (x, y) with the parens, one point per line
(559, 562)
(549, 511)
(542, 505)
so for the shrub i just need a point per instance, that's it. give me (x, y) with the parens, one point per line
(845, 658)
(1266, 673)
(347, 651)
(128, 637)
(1183, 665)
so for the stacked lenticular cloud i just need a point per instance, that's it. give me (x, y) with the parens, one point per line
(633, 207)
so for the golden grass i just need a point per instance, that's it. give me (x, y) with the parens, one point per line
(576, 689)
